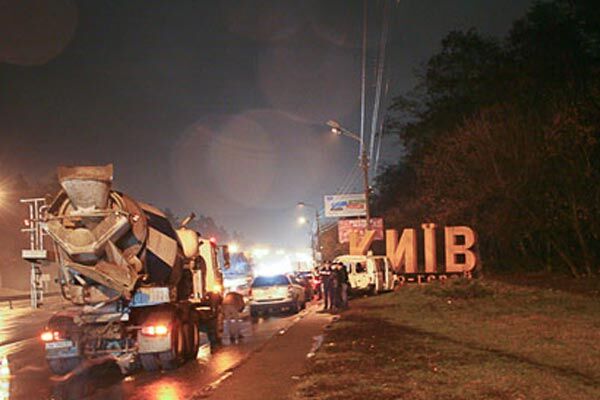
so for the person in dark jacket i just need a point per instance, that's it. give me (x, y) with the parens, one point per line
(326, 286)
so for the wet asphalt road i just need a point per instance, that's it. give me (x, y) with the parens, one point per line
(24, 374)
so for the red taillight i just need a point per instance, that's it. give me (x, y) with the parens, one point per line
(155, 330)
(49, 336)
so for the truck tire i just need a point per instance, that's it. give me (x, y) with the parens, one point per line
(173, 358)
(61, 366)
(150, 362)
(192, 340)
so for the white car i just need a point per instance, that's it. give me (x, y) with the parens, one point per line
(371, 274)
(276, 293)
(239, 284)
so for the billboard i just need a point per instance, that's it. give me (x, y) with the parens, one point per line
(345, 205)
(345, 226)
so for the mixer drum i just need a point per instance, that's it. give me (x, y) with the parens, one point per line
(108, 238)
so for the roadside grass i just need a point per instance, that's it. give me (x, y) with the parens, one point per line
(461, 340)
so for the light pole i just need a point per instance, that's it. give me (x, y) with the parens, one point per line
(364, 163)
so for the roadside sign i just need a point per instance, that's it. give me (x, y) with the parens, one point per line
(345, 205)
(346, 226)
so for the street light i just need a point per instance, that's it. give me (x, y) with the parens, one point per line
(340, 130)
(364, 162)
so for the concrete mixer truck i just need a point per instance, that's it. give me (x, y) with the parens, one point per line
(142, 291)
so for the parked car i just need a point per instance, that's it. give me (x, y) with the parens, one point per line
(307, 279)
(372, 274)
(239, 284)
(276, 293)
(315, 281)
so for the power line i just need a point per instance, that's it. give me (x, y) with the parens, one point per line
(363, 78)
(378, 153)
(379, 75)
(352, 182)
(348, 180)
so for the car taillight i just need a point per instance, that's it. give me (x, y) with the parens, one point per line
(155, 330)
(49, 336)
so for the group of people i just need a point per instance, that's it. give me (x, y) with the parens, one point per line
(334, 286)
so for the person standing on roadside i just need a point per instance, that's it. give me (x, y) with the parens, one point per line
(233, 305)
(325, 275)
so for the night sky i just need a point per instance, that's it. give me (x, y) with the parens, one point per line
(212, 106)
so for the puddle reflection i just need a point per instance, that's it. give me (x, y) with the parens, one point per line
(165, 390)
(103, 380)
(224, 359)
(204, 354)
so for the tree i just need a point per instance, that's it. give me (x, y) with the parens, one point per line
(527, 182)
(466, 74)
(328, 240)
(503, 135)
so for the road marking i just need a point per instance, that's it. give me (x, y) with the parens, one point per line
(212, 386)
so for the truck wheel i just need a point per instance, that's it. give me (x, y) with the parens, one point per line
(150, 362)
(173, 358)
(61, 366)
(192, 341)
(253, 313)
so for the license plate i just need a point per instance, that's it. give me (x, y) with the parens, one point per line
(59, 345)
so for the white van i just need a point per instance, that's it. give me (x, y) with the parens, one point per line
(368, 273)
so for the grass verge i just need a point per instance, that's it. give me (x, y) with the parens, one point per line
(461, 340)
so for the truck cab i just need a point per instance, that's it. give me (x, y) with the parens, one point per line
(205, 261)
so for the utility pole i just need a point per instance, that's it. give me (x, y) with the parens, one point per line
(318, 241)
(364, 163)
